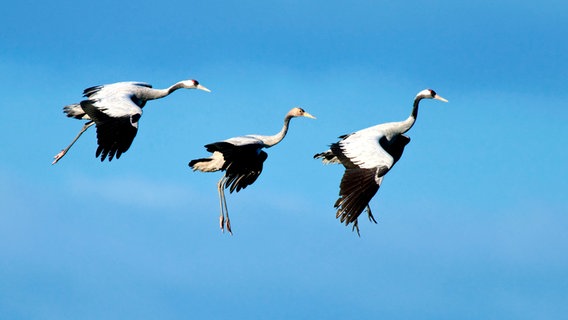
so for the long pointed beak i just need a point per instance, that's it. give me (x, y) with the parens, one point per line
(307, 115)
(437, 97)
(200, 87)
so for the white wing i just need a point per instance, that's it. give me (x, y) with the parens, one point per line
(116, 102)
(116, 116)
(104, 91)
(364, 149)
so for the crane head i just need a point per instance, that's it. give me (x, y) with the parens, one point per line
(193, 84)
(299, 112)
(429, 94)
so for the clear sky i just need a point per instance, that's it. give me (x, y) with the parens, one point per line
(472, 219)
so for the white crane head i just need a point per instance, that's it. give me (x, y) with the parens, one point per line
(193, 84)
(429, 94)
(299, 112)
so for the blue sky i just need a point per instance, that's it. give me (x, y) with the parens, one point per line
(472, 220)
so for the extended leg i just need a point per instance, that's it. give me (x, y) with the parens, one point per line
(370, 214)
(60, 155)
(224, 220)
(227, 220)
(356, 227)
(221, 206)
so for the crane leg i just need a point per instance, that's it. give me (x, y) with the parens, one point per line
(221, 195)
(356, 227)
(60, 155)
(370, 214)
(224, 221)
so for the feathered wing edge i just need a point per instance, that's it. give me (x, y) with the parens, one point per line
(242, 164)
(114, 135)
(334, 155)
(242, 174)
(357, 188)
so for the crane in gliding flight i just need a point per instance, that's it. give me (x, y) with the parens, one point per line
(115, 109)
(367, 156)
(242, 159)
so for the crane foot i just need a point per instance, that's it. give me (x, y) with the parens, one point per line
(58, 156)
(228, 225)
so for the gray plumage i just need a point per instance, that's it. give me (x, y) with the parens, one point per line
(241, 158)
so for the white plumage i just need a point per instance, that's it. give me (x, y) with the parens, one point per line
(116, 109)
(367, 156)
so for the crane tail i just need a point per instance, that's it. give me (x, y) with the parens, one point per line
(194, 162)
(200, 164)
(75, 111)
(327, 157)
(212, 164)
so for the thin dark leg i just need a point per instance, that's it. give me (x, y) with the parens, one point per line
(221, 196)
(60, 155)
(370, 214)
(224, 220)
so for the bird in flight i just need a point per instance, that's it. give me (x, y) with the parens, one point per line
(116, 109)
(242, 159)
(367, 156)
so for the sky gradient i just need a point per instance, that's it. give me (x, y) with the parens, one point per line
(471, 221)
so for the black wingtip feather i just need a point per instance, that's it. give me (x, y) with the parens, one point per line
(357, 188)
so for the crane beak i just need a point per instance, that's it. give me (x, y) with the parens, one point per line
(200, 87)
(437, 97)
(307, 115)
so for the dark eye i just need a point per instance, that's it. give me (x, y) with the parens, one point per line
(196, 82)
(301, 110)
(432, 92)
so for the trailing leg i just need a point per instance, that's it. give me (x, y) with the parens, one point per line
(60, 155)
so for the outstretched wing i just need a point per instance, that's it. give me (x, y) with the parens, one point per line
(116, 119)
(103, 91)
(357, 188)
(367, 157)
(365, 149)
(243, 163)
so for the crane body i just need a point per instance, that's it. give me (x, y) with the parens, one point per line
(368, 155)
(242, 159)
(115, 109)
